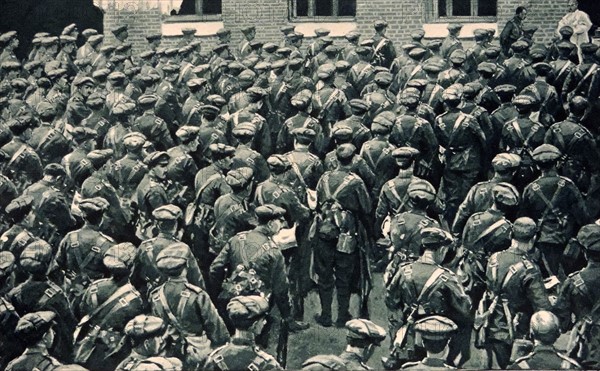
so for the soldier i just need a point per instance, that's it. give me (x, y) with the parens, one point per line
(67, 53)
(198, 88)
(248, 316)
(517, 68)
(565, 33)
(486, 97)
(470, 107)
(38, 293)
(424, 288)
(342, 135)
(581, 156)
(182, 167)
(515, 291)
(245, 156)
(151, 193)
(36, 331)
(456, 74)
(168, 107)
(578, 296)
(377, 152)
(436, 332)
(301, 102)
(250, 114)
(80, 253)
(153, 127)
(506, 112)
(476, 53)
(362, 337)
(521, 136)
(9, 42)
(86, 49)
(412, 69)
(383, 50)
(557, 205)
(19, 235)
(323, 362)
(360, 133)
(126, 173)
(84, 141)
(160, 364)
(362, 72)
(146, 335)
(196, 325)
(545, 330)
(513, 30)
(544, 94)
(50, 144)
(105, 308)
(21, 164)
(561, 67)
(121, 33)
(451, 42)
(11, 347)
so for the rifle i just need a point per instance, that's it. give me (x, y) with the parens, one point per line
(282, 343)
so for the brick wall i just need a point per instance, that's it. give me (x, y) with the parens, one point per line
(268, 16)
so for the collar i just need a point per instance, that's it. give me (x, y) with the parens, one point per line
(427, 258)
(177, 279)
(37, 349)
(544, 348)
(243, 338)
(263, 229)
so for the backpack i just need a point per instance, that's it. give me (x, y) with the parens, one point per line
(332, 215)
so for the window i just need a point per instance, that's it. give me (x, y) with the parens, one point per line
(323, 8)
(203, 8)
(461, 9)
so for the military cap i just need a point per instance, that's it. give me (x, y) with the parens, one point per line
(284, 51)
(35, 323)
(45, 108)
(269, 212)
(101, 73)
(19, 84)
(81, 134)
(566, 46)
(236, 66)
(519, 46)
(262, 66)
(156, 158)
(433, 67)
(278, 162)
(405, 152)
(216, 100)
(363, 50)
(367, 43)
(154, 36)
(506, 161)
(326, 40)
(325, 71)
(255, 93)
(546, 153)
(200, 69)
(471, 89)
(245, 308)
(380, 23)
(95, 39)
(188, 31)
(341, 132)
(255, 44)
(417, 35)
(566, 31)
(324, 362)
(269, 47)
(364, 329)
(301, 98)
(66, 39)
(7, 36)
(352, 35)
(523, 100)
(132, 71)
(248, 29)
(480, 33)
(322, 32)
(36, 41)
(331, 50)
(505, 89)
(89, 32)
(84, 80)
(435, 237)
(123, 47)
(359, 104)
(222, 32)
(486, 67)
(56, 73)
(94, 204)
(41, 34)
(455, 27)
(220, 150)
(538, 52)
(434, 44)
(82, 62)
(11, 65)
(383, 78)
(171, 68)
(588, 48)
(421, 189)
(417, 53)
(7, 262)
(385, 119)
(192, 83)
(452, 93)
(118, 29)
(119, 256)
(187, 132)
(505, 194)
(342, 66)
(19, 206)
(29, 66)
(529, 28)
(239, 177)
(209, 109)
(159, 364)
(36, 256)
(107, 48)
(49, 40)
(169, 52)
(458, 56)
(147, 99)
(524, 229)
(134, 140)
(345, 151)
(245, 129)
(54, 169)
(99, 157)
(435, 328)
(144, 326)
(173, 256)
(287, 28)
(589, 237)
(124, 108)
(167, 212)
(116, 76)
(305, 133)
(279, 64)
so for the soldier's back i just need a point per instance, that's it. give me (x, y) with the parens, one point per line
(240, 355)
(33, 359)
(544, 357)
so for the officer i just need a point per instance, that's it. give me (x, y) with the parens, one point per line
(35, 330)
(247, 157)
(80, 253)
(343, 206)
(145, 275)
(463, 147)
(576, 143)
(182, 167)
(127, 172)
(49, 143)
(105, 308)
(521, 136)
(151, 193)
(323, 362)
(248, 315)
(513, 30)
(435, 332)
(147, 335)
(557, 205)
(451, 42)
(515, 290)
(362, 337)
(480, 196)
(153, 127)
(186, 308)
(407, 305)
(545, 330)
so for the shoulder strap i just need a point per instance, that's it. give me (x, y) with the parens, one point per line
(549, 202)
(343, 184)
(49, 293)
(17, 154)
(512, 270)
(459, 120)
(429, 284)
(49, 134)
(563, 69)
(589, 73)
(489, 230)
(113, 299)
(165, 307)
(210, 179)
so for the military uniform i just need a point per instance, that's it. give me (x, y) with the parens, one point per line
(359, 167)
(451, 42)
(360, 133)
(151, 193)
(23, 166)
(435, 328)
(245, 156)
(49, 143)
(302, 119)
(153, 127)
(544, 357)
(127, 172)
(147, 334)
(182, 167)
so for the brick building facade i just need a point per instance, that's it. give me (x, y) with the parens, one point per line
(404, 16)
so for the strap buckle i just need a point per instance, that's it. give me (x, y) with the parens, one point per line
(185, 294)
(96, 249)
(49, 292)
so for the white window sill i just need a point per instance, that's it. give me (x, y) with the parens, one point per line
(440, 30)
(338, 29)
(202, 28)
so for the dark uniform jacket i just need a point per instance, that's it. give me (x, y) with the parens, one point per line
(241, 353)
(544, 357)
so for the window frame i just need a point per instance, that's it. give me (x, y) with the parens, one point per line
(335, 4)
(432, 14)
(198, 17)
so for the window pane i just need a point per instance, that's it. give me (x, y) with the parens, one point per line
(301, 8)
(211, 7)
(487, 8)
(461, 8)
(323, 7)
(347, 8)
(187, 7)
(442, 8)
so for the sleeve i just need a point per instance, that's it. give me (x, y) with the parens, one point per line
(564, 304)
(280, 286)
(383, 207)
(536, 292)
(465, 210)
(156, 198)
(217, 268)
(213, 323)
(578, 207)
(193, 273)
(458, 300)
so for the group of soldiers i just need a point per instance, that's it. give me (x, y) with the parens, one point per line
(172, 209)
